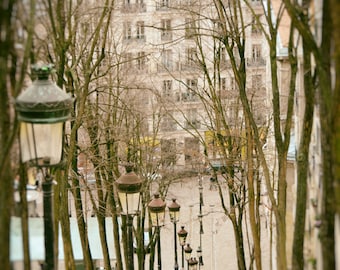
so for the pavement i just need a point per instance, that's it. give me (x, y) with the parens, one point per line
(217, 241)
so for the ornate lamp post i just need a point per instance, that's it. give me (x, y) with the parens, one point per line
(193, 264)
(200, 218)
(129, 186)
(157, 212)
(182, 235)
(174, 217)
(42, 110)
(187, 252)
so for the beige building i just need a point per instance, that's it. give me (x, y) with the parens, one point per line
(163, 45)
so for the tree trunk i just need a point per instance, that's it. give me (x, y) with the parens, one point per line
(303, 164)
(254, 222)
(64, 216)
(326, 100)
(336, 106)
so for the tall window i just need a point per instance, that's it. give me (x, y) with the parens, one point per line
(127, 30)
(233, 84)
(190, 93)
(255, 28)
(162, 4)
(141, 61)
(167, 88)
(140, 30)
(256, 52)
(168, 152)
(223, 55)
(256, 82)
(192, 120)
(168, 123)
(191, 56)
(127, 60)
(167, 59)
(223, 86)
(189, 28)
(191, 150)
(166, 29)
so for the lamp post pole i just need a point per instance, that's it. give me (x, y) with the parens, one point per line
(42, 110)
(129, 186)
(174, 217)
(130, 241)
(182, 235)
(200, 217)
(48, 222)
(157, 212)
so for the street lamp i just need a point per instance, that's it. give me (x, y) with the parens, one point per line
(187, 252)
(157, 212)
(192, 264)
(182, 235)
(200, 218)
(129, 186)
(42, 110)
(174, 217)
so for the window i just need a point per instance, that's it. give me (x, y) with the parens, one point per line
(191, 56)
(191, 150)
(140, 4)
(255, 28)
(168, 152)
(140, 30)
(192, 84)
(223, 85)
(192, 121)
(256, 82)
(166, 30)
(167, 59)
(189, 28)
(233, 84)
(168, 123)
(167, 88)
(127, 60)
(190, 93)
(162, 4)
(127, 31)
(141, 60)
(223, 56)
(256, 52)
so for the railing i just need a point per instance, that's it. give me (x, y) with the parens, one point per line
(256, 62)
(132, 8)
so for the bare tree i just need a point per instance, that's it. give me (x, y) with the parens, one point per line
(13, 68)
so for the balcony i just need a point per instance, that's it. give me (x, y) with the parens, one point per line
(167, 67)
(189, 97)
(256, 62)
(133, 8)
(166, 36)
(194, 124)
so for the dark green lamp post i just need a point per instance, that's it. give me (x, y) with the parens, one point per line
(174, 217)
(157, 213)
(182, 236)
(129, 187)
(42, 110)
(187, 252)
